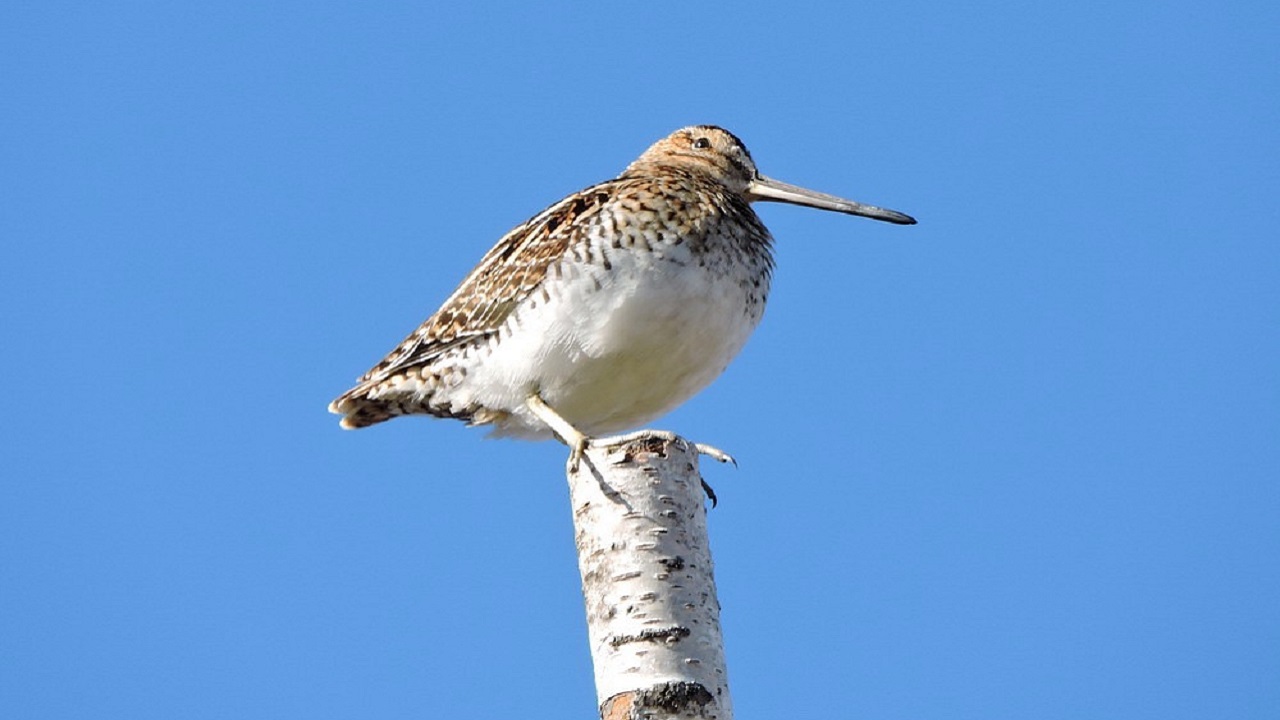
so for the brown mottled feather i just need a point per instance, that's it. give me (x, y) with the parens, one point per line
(505, 276)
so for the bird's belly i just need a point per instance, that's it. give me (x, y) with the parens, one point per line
(614, 350)
(651, 358)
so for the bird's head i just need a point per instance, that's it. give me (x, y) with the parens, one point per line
(721, 155)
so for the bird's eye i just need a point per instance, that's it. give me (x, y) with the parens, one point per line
(701, 143)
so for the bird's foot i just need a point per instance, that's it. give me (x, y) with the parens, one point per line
(703, 449)
(578, 441)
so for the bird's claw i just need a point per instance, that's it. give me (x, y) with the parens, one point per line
(715, 453)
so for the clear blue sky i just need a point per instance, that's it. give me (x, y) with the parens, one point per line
(1019, 461)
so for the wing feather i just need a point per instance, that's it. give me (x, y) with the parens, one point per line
(505, 277)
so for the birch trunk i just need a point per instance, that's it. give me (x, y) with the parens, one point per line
(653, 618)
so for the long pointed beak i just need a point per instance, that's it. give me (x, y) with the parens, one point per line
(770, 190)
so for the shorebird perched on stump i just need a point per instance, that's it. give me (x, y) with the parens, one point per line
(604, 311)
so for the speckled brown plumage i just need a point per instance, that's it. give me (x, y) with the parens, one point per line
(598, 303)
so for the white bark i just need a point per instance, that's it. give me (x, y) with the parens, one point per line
(652, 613)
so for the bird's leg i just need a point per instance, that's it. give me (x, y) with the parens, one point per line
(567, 433)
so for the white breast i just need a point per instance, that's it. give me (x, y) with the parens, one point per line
(613, 349)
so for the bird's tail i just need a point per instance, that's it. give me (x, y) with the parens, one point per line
(359, 410)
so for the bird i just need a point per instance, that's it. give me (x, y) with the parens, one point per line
(606, 310)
